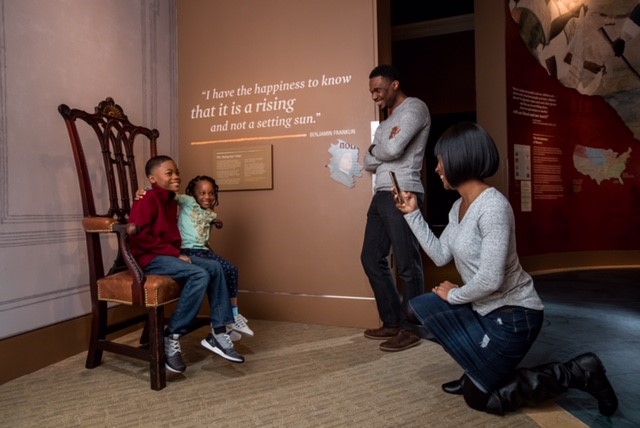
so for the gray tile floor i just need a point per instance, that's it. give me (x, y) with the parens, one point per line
(597, 311)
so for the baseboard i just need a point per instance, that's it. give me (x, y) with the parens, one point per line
(28, 352)
(342, 311)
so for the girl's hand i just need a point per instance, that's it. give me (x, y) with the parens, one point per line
(442, 290)
(407, 204)
(217, 223)
(185, 258)
(140, 194)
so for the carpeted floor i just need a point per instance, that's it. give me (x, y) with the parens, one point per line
(299, 375)
(295, 376)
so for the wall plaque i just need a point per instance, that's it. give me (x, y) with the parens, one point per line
(243, 167)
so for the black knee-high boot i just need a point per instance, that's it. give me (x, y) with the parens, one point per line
(538, 384)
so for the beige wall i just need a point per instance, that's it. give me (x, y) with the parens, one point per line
(491, 95)
(297, 245)
(76, 52)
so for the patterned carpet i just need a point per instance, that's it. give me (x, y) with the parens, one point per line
(295, 376)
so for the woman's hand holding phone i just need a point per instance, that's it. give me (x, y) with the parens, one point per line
(406, 202)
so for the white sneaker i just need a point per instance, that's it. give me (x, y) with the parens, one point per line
(233, 335)
(240, 325)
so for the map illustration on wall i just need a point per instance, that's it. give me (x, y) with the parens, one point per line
(573, 125)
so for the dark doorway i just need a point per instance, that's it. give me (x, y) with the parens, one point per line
(438, 66)
(438, 201)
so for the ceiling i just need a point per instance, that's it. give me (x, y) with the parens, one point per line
(409, 11)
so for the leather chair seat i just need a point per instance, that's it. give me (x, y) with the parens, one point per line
(159, 290)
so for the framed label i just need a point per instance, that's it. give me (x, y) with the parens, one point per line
(244, 167)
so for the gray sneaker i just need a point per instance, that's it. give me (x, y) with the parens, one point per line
(173, 354)
(221, 344)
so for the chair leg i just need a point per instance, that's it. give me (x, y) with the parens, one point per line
(144, 336)
(98, 333)
(157, 369)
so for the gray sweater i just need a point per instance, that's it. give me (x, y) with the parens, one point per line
(483, 247)
(400, 141)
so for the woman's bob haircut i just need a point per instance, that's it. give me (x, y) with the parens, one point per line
(467, 152)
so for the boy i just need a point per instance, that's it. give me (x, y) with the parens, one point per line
(156, 248)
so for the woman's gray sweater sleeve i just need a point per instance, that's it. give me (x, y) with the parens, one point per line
(435, 248)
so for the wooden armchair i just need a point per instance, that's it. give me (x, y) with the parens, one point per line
(113, 139)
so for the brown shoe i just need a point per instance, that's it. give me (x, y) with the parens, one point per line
(403, 340)
(381, 333)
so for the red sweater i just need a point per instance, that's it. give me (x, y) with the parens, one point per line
(156, 216)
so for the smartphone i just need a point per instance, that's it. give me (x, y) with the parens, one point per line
(396, 186)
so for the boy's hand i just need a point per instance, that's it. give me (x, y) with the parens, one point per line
(185, 258)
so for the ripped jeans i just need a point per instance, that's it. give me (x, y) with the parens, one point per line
(488, 348)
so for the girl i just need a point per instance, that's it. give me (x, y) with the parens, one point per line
(194, 221)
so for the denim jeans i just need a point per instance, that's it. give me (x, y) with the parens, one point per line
(488, 348)
(387, 229)
(230, 270)
(201, 276)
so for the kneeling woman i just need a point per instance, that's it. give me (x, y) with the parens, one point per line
(489, 323)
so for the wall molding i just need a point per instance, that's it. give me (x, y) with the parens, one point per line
(4, 182)
(52, 232)
(40, 237)
(173, 79)
(436, 27)
(33, 299)
(149, 13)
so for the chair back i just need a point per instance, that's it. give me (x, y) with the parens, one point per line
(118, 140)
(104, 145)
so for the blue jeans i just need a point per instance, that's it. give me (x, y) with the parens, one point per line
(230, 270)
(488, 348)
(386, 229)
(200, 277)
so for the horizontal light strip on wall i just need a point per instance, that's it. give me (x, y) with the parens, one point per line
(235, 140)
(326, 296)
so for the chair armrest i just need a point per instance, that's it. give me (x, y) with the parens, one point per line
(111, 225)
(123, 231)
(98, 224)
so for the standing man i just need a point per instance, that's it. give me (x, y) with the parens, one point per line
(399, 145)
